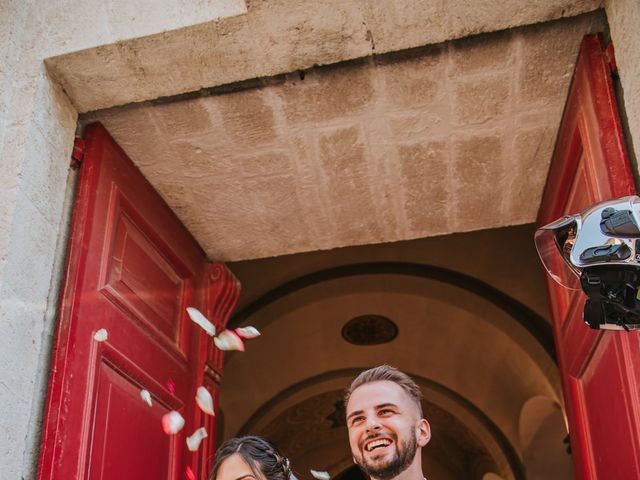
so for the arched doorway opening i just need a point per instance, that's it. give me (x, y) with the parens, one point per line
(479, 355)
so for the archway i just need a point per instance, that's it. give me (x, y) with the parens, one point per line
(478, 354)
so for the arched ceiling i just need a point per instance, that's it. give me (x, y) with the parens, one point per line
(446, 334)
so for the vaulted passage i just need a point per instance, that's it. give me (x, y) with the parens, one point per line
(470, 328)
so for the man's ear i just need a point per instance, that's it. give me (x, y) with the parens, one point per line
(423, 432)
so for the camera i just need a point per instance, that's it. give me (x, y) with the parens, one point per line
(598, 252)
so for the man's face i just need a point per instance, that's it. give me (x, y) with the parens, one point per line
(385, 429)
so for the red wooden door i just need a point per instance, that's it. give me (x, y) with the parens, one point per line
(600, 369)
(132, 270)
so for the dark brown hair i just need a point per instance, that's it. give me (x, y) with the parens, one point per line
(262, 456)
(386, 373)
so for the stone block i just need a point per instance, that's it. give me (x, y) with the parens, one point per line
(623, 18)
(425, 184)
(414, 78)
(482, 100)
(287, 33)
(136, 131)
(549, 55)
(129, 20)
(532, 151)
(346, 188)
(421, 22)
(419, 125)
(327, 94)
(486, 52)
(186, 119)
(469, 18)
(30, 253)
(88, 24)
(478, 176)
(247, 117)
(55, 117)
(266, 164)
(44, 176)
(21, 317)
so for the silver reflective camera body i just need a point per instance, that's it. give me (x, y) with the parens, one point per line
(598, 251)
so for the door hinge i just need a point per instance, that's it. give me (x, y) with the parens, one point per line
(610, 57)
(78, 152)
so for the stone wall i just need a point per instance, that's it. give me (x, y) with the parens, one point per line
(37, 126)
(624, 24)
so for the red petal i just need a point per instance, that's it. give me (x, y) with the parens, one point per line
(189, 473)
(171, 386)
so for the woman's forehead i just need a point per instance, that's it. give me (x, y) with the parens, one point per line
(234, 467)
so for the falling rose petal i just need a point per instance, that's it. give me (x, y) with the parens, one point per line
(193, 442)
(201, 320)
(320, 475)
(171, 386)
(247, 332)
(228, 340)
(205, 400)
(189, 473)
(146, 396)
(172, 422)
(101, 335)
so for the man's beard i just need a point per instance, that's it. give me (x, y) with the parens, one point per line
(399, 463)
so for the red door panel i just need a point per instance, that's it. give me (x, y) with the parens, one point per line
(598, 367)
(133, 269)
(118, 397)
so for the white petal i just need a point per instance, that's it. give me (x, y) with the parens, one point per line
(146, 396)
(205, 400)
(101, 335)
(228, 340)
(197, 317)
(172, 422)
(320, 475)
(193, 442)
(248, 332)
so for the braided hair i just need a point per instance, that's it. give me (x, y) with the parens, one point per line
(263, 457)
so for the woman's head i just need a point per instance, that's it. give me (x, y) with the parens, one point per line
(249, 458)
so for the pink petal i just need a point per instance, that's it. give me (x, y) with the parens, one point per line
(189, 473)
(205, 400)
(247, 332)
(146, 396)
(197, 317)
(101, 335)
(193, 442)
(172, 422)
(228, 340)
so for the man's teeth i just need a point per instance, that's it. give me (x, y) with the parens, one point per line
(377, 443)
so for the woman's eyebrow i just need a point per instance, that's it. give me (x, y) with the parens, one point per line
(248, 475)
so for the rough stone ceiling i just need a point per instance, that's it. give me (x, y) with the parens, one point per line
(445, 138)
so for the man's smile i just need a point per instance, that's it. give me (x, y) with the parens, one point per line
(377, 444)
